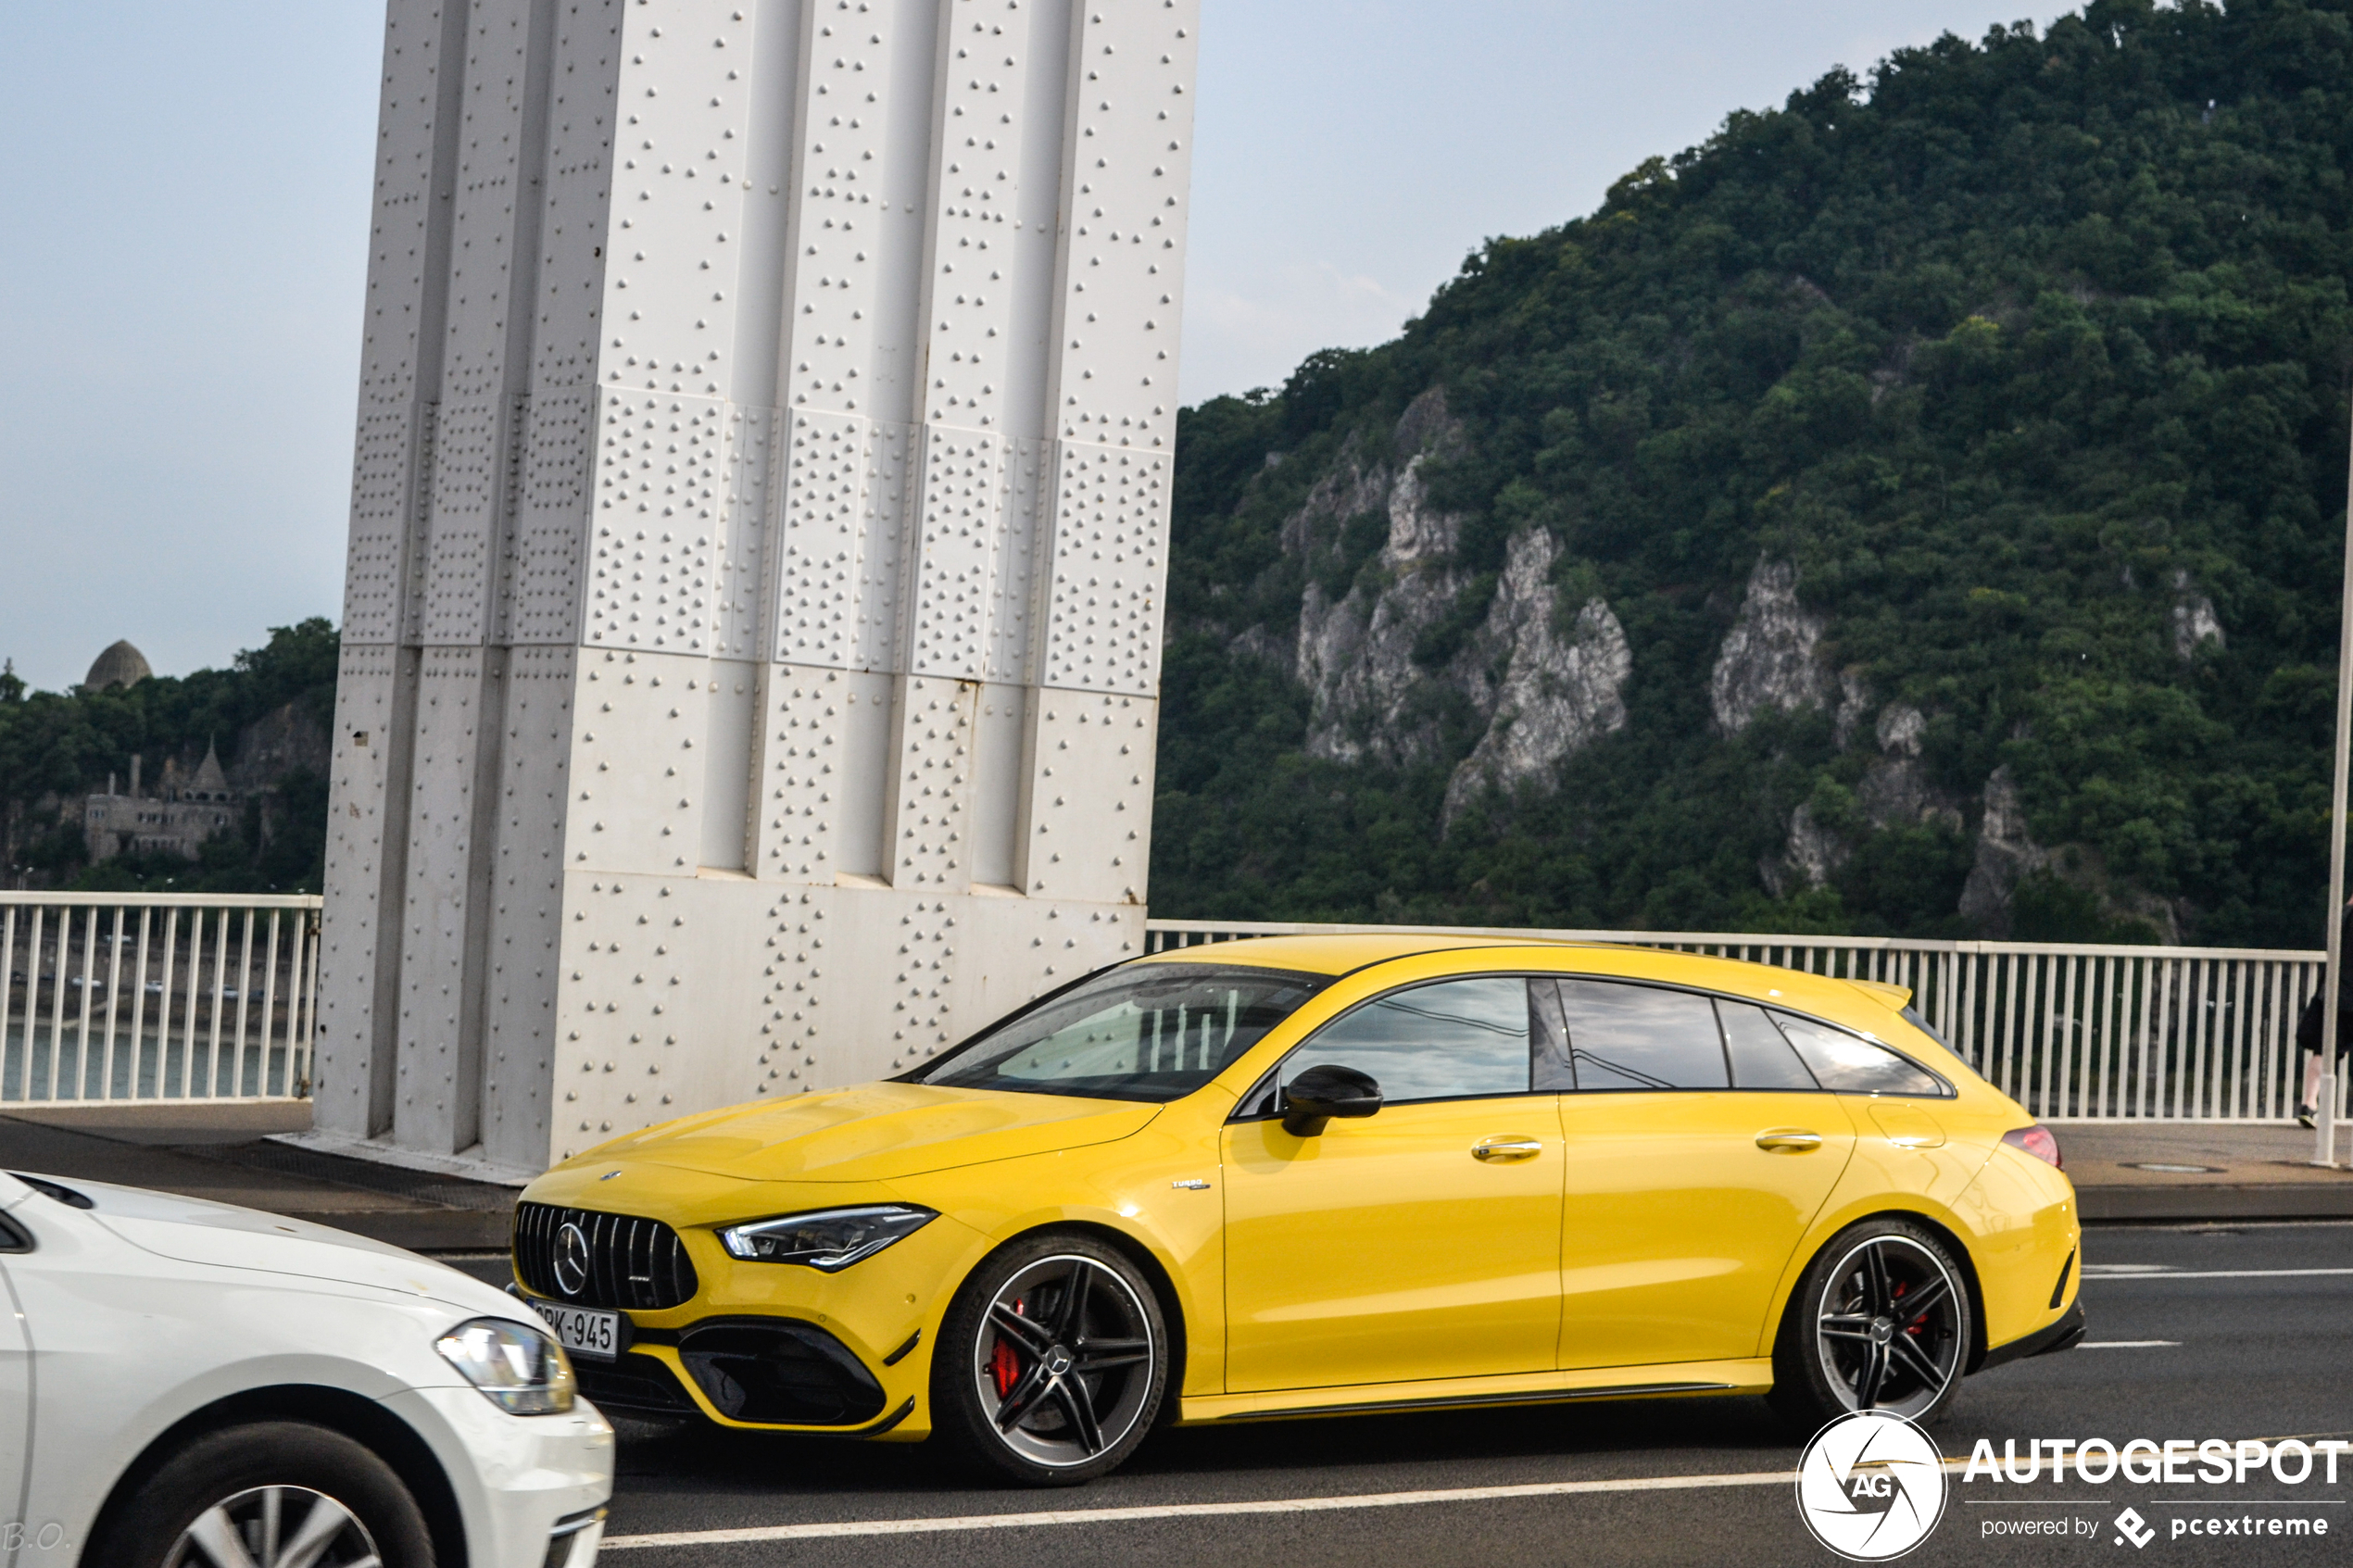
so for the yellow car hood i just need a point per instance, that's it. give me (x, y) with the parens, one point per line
(877, 1133)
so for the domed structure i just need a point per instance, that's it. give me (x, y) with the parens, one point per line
(120, 665)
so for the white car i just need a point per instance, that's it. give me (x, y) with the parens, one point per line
(185, 1384)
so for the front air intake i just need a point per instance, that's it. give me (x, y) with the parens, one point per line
(779, 1371)
(590, 1259)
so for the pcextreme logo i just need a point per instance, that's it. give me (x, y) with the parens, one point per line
(1870, 1486)
(2082, 1466)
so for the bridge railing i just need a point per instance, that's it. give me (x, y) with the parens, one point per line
(157, 997)
(2073, 1032)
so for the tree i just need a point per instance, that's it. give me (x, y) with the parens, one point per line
(2028, 354)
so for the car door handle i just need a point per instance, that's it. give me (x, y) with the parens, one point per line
(1503, 1150)
(1789, 1140)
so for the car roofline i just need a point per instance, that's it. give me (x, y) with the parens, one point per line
(1224, 952)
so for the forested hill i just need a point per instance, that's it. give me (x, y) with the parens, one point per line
(267, 717)
(1919, 510)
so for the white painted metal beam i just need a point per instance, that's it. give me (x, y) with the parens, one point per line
(759, 535)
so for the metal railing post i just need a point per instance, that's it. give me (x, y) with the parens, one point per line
(2324, 1123)
(2076, 1030)
(39, 931)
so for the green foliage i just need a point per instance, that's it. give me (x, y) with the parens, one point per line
(2049, 908)
(1360, 538)
(1446, 636)
(2015, 349)
(65, 745)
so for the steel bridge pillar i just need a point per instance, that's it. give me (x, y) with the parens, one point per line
(751, 632)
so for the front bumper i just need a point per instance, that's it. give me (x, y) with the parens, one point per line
(844, 1354)
(767, 1371)
(754, 1371)
(521, 1482)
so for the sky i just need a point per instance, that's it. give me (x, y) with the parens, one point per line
(184, 248)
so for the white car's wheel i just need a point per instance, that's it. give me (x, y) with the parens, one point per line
(279, 1494)
(275, 1527)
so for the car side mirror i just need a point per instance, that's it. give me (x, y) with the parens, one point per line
(1316, 1096)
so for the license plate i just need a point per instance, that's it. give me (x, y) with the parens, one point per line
(583, 1331)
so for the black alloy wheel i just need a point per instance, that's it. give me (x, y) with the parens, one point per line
(1880, 1320)
(1052, 1362)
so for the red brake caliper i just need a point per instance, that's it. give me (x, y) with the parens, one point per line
(1003, 1365)
(1900, 1289)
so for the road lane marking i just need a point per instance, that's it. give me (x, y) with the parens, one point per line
(2124, 1344)
(2215, 1273)
(839, 1528)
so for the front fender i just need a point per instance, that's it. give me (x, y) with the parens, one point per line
(1129, 1189)
(95, 1414)
(513, 1477)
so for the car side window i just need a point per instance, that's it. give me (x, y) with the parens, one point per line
(1625, 1037)
(1762, 1058)
(1454, 1039)
(1853, 1066)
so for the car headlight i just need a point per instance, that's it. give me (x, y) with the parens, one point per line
(827, 1239)
(517, 1369)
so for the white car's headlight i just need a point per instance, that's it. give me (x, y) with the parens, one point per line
(517, 1368)
(827, 1239)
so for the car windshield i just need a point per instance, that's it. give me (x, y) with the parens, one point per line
(1147, 1032)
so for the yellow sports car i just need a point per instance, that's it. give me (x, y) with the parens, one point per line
(1317, 1175)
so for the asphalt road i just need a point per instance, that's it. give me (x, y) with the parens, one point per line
(2249, 1351)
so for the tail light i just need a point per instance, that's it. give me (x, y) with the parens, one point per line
(2037, 1141)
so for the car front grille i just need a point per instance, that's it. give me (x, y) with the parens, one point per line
(619, 1259)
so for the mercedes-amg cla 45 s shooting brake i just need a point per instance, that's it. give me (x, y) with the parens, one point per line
(1327, 1174)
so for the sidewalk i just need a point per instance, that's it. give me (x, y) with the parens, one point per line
(2222, 1170)
(224, 1153)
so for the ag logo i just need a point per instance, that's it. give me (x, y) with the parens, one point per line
(1870, 1486)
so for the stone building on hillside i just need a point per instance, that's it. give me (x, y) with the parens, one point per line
(120, 665)
(176, 819)
(255, 779)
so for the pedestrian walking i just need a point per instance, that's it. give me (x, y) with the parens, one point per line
(2307, 1028)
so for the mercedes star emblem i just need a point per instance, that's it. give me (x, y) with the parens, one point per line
(572, 1259)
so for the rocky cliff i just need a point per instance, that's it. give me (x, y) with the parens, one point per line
(1535, 681)
(1919, 509)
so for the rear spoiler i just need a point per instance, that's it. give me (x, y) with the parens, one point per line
(1898, 997)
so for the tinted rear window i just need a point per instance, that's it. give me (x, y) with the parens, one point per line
(1641, 1038)
(1761, 1057)
(1853, 1066)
